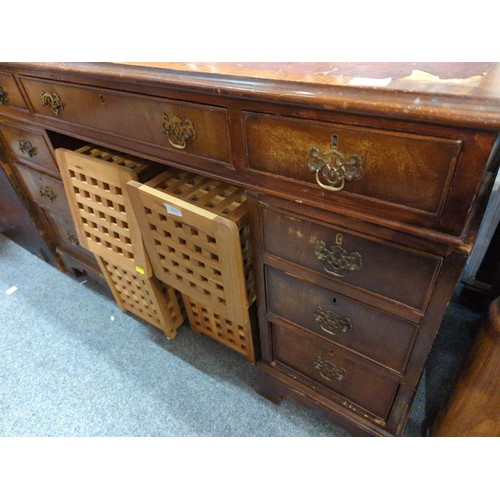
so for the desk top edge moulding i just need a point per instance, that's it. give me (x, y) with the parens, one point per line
(466, 93)
(366, 184)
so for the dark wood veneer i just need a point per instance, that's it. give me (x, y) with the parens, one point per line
(41, 156)
(384, 264)
(11, 95)
(360, 382)
(136, 117)
(409, 170)
(18, 220)
(383, 338)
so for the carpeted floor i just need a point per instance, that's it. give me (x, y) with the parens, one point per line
(72, 364)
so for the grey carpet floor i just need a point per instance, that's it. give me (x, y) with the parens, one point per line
(72, 364)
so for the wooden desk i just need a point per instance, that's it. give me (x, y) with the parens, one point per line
(366, 182)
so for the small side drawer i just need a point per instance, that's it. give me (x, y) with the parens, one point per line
(65, 229)
(81, 266)
(10, 94)
(412, 171)
(186, 128)
(367, 263)
(45, 190)
(383, 338)
(312, 360)
(29, 146)
(420, 175)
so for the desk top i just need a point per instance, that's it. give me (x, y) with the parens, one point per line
(465, 94)
(480, 79)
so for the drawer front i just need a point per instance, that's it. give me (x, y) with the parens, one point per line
(381, 337)
(45, 190)
(81, 267)
(193, 129)
(10, 94)
(29, 146)
(359, 261)
(65, 229)
(320, 362)
(411, 171)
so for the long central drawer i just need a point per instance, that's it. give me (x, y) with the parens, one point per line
(188, 128)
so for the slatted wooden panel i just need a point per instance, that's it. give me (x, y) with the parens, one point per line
(230, 333)
(219, 197)
(147, 298)
(94, 180)
(192, 228)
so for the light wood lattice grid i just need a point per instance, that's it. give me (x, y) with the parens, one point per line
(197, 236)
(95, 184)
(236, 336)
(147, 298)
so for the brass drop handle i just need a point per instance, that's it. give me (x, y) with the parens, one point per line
(48, 192)
(330, 321)
(329, 370)
(73, 238)
(53, 101)
(3, 96)
(338, 261)
(27, 148)
(332, 168)
(180, 132)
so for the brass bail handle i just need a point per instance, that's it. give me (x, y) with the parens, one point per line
(332, 168)
(180, 132)
(27, 148)
(46, 191)
(329, 370)
(52, 100)
(338, 261)
(330, 321)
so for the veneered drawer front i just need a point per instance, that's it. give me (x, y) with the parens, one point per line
(29, 146)
(65, 228)
(403, 275)
(136, 117)
(10, 94)
(352, 378)
(409, 170)
(45, 190)
(381, 337)
(82, 266)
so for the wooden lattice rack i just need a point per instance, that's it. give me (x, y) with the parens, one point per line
(147, 298)
(94, 180)
(197, 236)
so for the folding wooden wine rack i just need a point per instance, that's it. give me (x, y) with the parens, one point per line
(94, 180)
(234, 335)
(95, 185)
(147, 298)
(197, 236)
